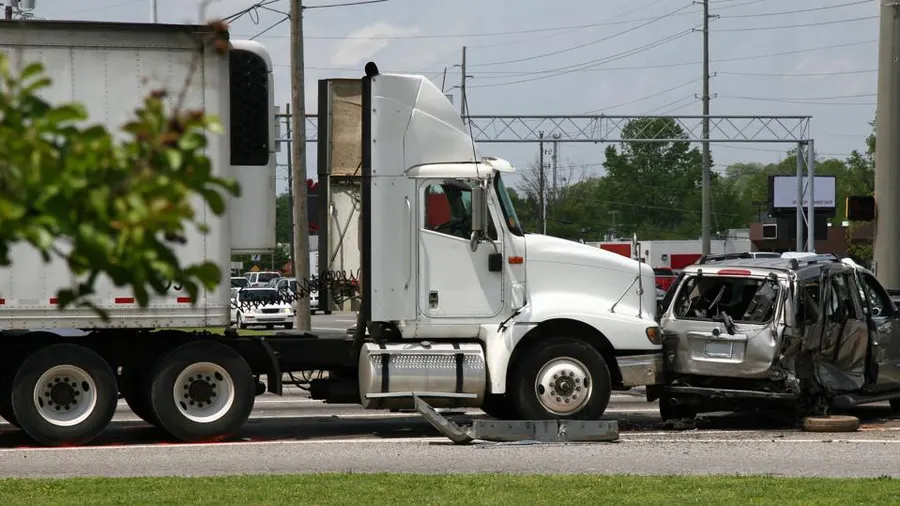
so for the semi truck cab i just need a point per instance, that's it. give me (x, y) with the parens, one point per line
(535, 325)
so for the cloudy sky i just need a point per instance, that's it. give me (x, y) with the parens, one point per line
(768, 57)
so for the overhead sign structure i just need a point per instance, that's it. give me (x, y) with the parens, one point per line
(783, 192)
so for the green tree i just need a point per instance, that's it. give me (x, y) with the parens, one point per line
(283, 219)
(657, 185)
(106, 206)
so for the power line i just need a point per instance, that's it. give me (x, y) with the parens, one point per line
(273, 25)
(497, 34)
(804, 25)
(586, 44)
(253, 7)
(685, 63)
(347, 4)
(593, 63)
(807, 74)
(798, 11)
(806, 100)
(656, 94)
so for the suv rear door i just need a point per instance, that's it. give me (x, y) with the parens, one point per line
(725, 324)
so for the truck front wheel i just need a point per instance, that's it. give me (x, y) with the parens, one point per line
(64, 394)
(202, 391)
(563, 378)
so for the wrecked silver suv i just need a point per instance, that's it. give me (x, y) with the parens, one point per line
(808, 334)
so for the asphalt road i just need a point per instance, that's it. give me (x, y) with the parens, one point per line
(294, 434)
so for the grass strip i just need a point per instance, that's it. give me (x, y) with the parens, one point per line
(456, 489)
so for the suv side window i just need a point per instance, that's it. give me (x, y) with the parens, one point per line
(840, 301)
(882, 305)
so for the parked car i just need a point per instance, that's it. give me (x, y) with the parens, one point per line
(239, 282)
(290, 286)
(260, 279)
(808, 334)
(261, 306)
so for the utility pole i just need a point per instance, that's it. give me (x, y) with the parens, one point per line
(298, 155)
(542, 188)
(706, 190)
(887, 152)
(555, 162)
(155, 17)
(463, 109)
(290, 168)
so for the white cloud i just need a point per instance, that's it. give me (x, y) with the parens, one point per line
(364, 43)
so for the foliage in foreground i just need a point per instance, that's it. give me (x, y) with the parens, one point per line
(395, 489)
(106, 206)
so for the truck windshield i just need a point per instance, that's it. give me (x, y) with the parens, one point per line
(509, 212)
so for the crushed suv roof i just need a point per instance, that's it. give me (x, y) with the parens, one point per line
(781, 264)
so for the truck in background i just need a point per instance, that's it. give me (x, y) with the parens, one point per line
(466, 312)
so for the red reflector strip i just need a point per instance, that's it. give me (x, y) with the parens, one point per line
(2, 301)
(184, 300)
(124, 300)
(733, 272)
(516, 260)
(54, 300)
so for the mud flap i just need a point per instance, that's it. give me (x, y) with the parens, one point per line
(545, 431)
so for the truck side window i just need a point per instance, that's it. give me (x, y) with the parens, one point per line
(448, 210)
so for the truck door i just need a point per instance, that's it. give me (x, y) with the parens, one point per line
(454, 281)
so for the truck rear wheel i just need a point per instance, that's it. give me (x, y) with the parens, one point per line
(564, 378)
(202, 391)
(64, 394)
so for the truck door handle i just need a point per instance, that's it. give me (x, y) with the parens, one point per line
(409, 245)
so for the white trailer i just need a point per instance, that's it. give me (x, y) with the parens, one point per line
(467, 311)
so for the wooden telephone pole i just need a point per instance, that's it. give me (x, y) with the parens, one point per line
(298, 156)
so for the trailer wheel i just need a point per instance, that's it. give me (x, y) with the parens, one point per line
(135, 387)
(202, 392)
(564, 378)
(6, 411)
(64, 394)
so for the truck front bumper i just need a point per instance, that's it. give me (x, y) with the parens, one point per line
(641, 370)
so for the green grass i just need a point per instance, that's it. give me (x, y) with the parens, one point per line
(395, 489)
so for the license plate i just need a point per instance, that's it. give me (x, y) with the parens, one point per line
(718, 349)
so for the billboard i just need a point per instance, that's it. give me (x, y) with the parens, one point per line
(783, 192)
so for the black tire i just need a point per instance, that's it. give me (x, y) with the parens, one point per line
(499, 406)
(135, 387)
(525, 393)
(6, 411)
(288, 326)
(895, 405)
(170, 415)
(668, 410)
(104, 390)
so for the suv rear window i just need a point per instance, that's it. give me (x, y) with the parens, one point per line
(663, 271)
(267, 276)
(743, 299)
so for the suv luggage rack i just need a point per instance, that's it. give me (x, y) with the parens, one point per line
(794, 262)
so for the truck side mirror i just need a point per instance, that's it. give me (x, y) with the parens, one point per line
(478, 209)
(479, 214)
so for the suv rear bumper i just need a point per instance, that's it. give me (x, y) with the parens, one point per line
(641, 370)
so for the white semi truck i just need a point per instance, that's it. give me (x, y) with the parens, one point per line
(462, 309)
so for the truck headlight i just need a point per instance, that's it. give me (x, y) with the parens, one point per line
(654, 335)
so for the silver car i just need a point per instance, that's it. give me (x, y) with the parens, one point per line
(808, 334)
